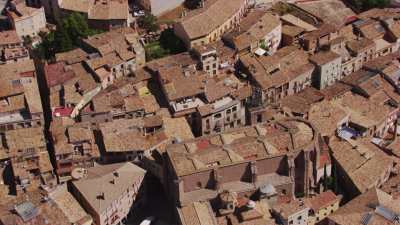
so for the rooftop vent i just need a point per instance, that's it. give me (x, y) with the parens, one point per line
(101, 196)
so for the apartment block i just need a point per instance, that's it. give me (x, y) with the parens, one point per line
(74, 147)
(328, 69)
(108, 192)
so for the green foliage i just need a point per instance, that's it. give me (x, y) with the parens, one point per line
(171, 42)
(66, 37)
(155, 51)
(263, 45)
(167, 45)
(149, 22)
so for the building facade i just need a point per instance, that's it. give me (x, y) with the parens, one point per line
(109, 198)
(199, 29)
(27, 21)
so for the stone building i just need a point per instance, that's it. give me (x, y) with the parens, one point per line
(209, 23)
(12, 48)
(114, 54)
(108, 192)
(26, 150)
(257, 30)
(328, 69)
(27, 21)
(100, 14)
(21, 105)
(74, 147)
(159, 7)
(243, 160)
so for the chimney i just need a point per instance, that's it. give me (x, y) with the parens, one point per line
(101, 196)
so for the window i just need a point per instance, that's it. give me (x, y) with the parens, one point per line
(291, 222)
(234, 109)
(299, 218)
(217, 116)
(259, 118)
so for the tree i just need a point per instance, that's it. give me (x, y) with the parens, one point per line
(149, 22)
(66, 37)
(171, 42)
(62, 41)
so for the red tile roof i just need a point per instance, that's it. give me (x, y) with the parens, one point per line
(62, 112)
(56, 74)
(322, 200)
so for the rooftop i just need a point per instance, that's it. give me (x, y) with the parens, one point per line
(66, 136)
(99, 9)
(364, 206)
(71, 57)
(214, 14)
(323, 58)
(254, 27)
(261, 141)
(321, 200)
(330, 11)
(68, 205)
(288, 208)
(363, 162)
(273, 71)
(107, 183)
(9, 37)
(125, 95)
(11, 85)
(22, 11)
(327, 117)
(126, 135)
